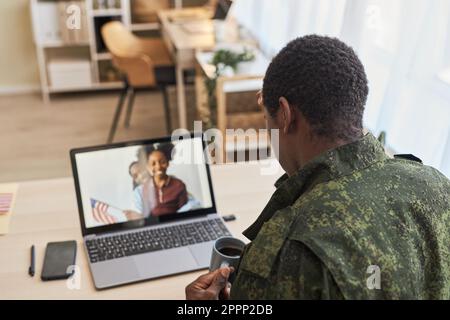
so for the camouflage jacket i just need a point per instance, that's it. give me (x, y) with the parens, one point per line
(348, 210)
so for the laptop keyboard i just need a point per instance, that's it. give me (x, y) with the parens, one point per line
(133, 243)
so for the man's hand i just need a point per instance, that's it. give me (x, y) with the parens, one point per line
(209, 286)
(131, 215)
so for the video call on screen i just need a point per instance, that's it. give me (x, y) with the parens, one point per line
(138, 182)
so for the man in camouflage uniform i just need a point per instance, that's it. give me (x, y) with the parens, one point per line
(346, 220)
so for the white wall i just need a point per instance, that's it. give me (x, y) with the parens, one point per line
(18, 63)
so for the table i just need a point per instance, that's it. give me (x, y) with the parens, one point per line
(247, 77)
(46, 210)
(255, 68)
(184, 31)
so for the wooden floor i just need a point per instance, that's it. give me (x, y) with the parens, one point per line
(35, 138)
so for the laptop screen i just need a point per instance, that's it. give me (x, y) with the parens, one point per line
(144, 182)
(222, 8)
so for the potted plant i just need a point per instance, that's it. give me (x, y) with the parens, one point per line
(225, 62)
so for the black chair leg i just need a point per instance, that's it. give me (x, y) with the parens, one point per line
(167, 109)
(113, 129)
(131, 94)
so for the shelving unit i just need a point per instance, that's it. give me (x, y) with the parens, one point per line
(145, 26)
(106, 12)
(52, 44)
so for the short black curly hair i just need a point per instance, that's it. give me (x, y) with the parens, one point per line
(325, 80)
(165, 148)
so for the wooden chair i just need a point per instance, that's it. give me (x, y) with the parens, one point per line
(144, 62)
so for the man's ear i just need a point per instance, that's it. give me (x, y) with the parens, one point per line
(287, 116)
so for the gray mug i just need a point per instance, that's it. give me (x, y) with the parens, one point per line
(226, 252)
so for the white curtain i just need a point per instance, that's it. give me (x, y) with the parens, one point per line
(275, 22)
(404, 46)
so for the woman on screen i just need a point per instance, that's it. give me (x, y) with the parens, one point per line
(161, 194)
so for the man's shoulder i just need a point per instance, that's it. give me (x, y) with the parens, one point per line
(379, 178)
(138, 190)
(373, 191)
(411, 167)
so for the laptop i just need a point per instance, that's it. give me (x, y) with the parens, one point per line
(222, 8)
(146, 208)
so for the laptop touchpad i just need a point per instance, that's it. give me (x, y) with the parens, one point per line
(161, 263)
(114, 272)
(202, 253)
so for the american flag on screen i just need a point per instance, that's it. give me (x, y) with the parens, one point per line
(5, 202)
(100, 212)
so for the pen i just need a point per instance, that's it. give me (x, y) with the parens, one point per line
(31, 269)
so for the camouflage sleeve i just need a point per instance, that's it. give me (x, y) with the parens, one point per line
(297, 273)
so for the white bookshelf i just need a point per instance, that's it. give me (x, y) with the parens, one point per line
(106, 12)
(145, 26)
(51, 45)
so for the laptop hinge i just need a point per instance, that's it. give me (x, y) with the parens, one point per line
(90, 236)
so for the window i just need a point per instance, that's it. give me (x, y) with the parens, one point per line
(405, 48)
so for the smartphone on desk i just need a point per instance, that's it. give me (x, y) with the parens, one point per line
(59, 260)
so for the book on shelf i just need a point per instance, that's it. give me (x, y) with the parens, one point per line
(73, 34)
(47, 23)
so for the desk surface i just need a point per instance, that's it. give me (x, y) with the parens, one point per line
(178, 22)
(255, 67)
(248, 75)
(47, 211)
(182, 44)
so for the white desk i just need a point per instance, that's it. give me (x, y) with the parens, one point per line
(182, 43)
(236, 81)
(248, 76)
(47, 211)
